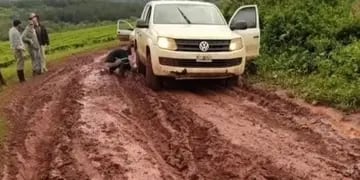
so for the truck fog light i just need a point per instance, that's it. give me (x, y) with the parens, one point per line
(167, 43)
(236, 44)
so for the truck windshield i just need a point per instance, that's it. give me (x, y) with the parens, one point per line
(187, 14)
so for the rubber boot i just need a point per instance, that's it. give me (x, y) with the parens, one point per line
(2, 80)
(21, 75)
(36, 73)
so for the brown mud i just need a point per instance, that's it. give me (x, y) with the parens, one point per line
(77, 122)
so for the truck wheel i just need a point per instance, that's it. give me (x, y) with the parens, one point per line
(251, 68)
(139, 64)
(152, 81)
(234, 81)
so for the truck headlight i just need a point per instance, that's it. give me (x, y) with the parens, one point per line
(236, 44)
(167, 43)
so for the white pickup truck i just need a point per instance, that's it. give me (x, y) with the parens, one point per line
(192, 40)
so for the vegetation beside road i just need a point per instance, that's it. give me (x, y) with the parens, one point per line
(65, 41)
(311, 47)
(65, 15)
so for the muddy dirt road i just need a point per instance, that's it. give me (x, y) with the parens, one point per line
(78, 123)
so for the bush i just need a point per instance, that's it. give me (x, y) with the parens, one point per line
(312, 46)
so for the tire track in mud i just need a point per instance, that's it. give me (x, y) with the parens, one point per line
(313, 129)
(81, 123)
(193, 145)
(289, 135)
(34, 114)
(105, 143)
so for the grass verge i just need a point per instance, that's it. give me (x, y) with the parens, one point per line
(316, 89)
(64, 41)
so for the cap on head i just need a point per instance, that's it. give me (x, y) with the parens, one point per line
(16, 23)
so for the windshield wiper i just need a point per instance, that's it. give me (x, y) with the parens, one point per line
(184, 16)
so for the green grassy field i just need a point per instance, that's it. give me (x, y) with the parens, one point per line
(66, 41)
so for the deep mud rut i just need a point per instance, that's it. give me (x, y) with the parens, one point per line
(79, 123)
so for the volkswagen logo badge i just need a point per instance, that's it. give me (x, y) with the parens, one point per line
(204, 46)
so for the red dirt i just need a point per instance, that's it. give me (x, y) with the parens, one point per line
(79, 123)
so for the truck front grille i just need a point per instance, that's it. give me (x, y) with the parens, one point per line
(193, 45)
(192, 63)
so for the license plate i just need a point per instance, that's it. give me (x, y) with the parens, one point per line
(205, 59)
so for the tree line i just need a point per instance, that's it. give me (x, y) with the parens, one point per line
(61, 15)
(75, 11)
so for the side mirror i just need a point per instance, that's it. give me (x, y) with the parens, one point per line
(242, 25)
(141, 24)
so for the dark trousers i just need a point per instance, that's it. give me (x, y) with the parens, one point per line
(2, 80)
(122, 64)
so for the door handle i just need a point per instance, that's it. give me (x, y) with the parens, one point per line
(256, 37)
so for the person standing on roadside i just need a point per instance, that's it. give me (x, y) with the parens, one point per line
(2, 80)
(43, 39)
(18, 48)
(30, 39)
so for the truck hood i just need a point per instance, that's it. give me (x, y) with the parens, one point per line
(189, 31)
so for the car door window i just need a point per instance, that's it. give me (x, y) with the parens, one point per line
(147, 20)
(143, 15)
(247, 15)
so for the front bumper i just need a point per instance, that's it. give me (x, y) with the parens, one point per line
(223, 64)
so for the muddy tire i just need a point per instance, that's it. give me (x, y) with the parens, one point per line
(233, 81)
(140, 66)
(251, 68)
(152, 81)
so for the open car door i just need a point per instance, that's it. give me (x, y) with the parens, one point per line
(125, 31)
(245, 22)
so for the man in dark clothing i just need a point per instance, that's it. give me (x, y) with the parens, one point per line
(118, 59)
(43, 39)
(2, 80)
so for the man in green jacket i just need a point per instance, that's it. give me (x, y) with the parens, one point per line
(18, 48)
(30, 39)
